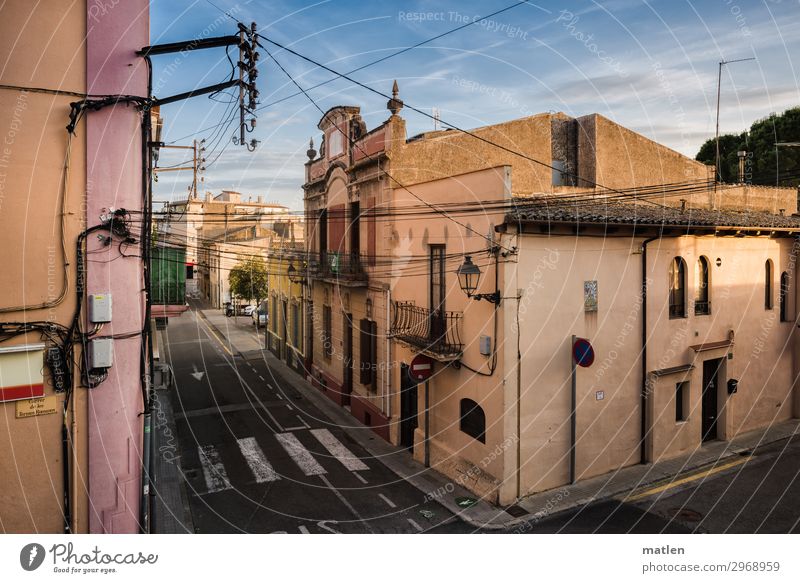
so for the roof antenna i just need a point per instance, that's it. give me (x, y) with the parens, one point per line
(436, 119)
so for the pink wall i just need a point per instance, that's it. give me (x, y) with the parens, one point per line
(113, 159)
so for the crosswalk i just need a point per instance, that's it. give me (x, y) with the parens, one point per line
(263, 470)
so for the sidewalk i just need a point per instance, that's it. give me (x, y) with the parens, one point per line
(536, 507)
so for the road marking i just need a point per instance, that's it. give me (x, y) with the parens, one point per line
(213, 470)
(214, 334)
(301, 456)
(303, 421)
(385, 499)
(222, 409)
(360, 477)
(261, 468)
(304, 529)
(288, 406)
(262, 378)
(686, 480)
(346, 503)
(298, 428)
(338, 450)
(232, 364)
(413, 523)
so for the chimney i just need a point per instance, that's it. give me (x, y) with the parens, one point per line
(260, 199)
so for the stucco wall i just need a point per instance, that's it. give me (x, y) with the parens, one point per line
(453, 452)
(41, 46)
(551, 274)
(762, 353)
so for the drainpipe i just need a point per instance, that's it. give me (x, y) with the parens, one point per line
(643, 448)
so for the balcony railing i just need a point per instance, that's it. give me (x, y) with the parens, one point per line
(433, 332)
(702, 308)
(338, 265)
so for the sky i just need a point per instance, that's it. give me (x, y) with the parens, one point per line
(649, 65)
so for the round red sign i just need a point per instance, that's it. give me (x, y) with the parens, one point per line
(421, 368)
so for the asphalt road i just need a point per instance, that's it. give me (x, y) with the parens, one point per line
(258, 457)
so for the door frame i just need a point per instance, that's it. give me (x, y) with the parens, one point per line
(347, 360)
(409, 408)
(709, 399)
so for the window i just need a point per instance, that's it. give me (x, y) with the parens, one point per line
(274, 311)
(190, 272)
(473, 420)
(768, 285)
(297, 328)
(702, 305)
(368, 353)
(677, 288)
(681, 401)
(784, 297)
(327, 341)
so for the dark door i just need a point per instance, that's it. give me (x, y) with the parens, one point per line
(709, 405)
(408, 408)
(347, 385)
(355, 229)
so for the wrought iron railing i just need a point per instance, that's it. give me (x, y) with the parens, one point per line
(338, 265)
(702, 308)
(434, 331)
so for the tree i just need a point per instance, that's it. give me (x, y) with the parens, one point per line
(763, 165)
(249, 279)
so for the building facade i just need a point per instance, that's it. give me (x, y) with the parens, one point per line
(578, 227)
(71, 456)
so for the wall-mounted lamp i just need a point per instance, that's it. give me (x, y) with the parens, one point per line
(469, 275)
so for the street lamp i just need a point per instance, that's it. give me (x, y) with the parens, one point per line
(469, 275)
(295, 276)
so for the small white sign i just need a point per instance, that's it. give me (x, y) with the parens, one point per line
(600, 395)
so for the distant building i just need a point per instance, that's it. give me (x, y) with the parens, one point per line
(578, 227)
(214, 230)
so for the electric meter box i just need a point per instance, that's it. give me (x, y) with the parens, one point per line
(99, 308)
(485, 344)
(101, 353)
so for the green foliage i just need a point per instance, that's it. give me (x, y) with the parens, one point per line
(762, 165)
(249, 279)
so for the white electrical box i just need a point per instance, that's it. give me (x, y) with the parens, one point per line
(101, 353)
(485, 344)
(99, 308)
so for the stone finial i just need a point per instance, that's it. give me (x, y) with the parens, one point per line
(395, 104)
(311, 152)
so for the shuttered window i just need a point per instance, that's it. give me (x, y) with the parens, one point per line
(368, 353)
(327, 341)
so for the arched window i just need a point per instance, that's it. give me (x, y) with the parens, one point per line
(784, 297)
(473, 420)
(768, 284)
(677, 288)
(702, 300)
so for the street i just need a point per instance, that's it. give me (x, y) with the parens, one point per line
(257, 456)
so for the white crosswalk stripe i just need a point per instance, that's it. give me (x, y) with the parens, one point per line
(261, 468)
(213, 469)
(301, 456)
(338, 450)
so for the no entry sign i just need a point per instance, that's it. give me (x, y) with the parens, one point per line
(582, 352)
(421, 368)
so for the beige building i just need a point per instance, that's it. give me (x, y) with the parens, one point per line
(579, 227)
(215, 231)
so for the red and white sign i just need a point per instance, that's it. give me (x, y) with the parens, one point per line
(21, 372)
(421, 368)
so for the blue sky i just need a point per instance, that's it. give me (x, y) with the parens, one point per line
(649, 65)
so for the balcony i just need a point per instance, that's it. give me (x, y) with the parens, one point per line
(432, 332)
(346, 269)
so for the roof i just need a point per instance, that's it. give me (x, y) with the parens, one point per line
(552, 210)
